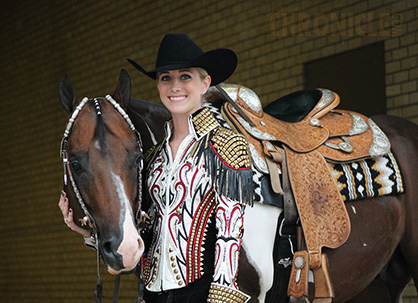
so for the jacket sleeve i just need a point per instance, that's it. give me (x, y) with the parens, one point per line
(229, 162)
(229, 222)
(229, 216)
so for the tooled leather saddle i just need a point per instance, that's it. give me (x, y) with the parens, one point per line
(292, 139)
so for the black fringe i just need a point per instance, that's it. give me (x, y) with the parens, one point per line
(232, 183)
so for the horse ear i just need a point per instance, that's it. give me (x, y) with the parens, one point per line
(122, 93)
(67, 94)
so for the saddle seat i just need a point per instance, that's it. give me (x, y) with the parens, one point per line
(295, 106)
(297, 135)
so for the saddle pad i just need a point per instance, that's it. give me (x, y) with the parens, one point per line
(368, 178)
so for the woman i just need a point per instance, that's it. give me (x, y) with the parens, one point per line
(199, 180)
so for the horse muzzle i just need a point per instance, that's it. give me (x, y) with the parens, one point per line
(123, 257)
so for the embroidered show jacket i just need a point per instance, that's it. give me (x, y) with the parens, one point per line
(199, 199)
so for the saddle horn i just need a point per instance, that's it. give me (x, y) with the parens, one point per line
(234, 105)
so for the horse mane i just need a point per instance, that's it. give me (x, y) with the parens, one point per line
(148, 118)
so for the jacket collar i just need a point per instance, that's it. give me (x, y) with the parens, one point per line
(201, 122)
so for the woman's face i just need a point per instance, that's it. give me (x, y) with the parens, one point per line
(181, 91)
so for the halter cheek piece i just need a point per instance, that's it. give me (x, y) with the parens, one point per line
(88, 218)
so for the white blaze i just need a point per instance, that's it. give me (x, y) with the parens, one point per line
(132, 246)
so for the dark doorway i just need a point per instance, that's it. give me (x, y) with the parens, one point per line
(358, 76)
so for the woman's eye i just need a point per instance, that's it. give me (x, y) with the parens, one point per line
(185, 77)
(165, 78)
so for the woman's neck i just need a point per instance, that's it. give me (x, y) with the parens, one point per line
(179, 133)
(180, 128)
(181, 125)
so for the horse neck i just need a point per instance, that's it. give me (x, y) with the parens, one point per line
(149, 119)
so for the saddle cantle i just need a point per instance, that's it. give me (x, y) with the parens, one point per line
(299, 140)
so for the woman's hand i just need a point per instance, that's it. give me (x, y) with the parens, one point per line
(68, 216)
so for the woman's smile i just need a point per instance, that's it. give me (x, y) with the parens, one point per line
(177, 98)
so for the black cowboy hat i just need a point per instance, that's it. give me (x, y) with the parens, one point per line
(178, 51)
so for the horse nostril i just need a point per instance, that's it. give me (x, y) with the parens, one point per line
(107, 246)
(109, 251)
(110, 248)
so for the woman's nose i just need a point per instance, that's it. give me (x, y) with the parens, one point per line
(175, 85)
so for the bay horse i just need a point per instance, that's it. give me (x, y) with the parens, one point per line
(102, 155)
(374, 265)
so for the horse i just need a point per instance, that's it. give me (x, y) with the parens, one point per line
(374, 265)
(102, 157)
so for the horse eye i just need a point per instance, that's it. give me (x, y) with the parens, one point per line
(76, 166)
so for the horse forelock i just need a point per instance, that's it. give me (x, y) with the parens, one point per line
(101, 128)
(105, 114)
(100, 134)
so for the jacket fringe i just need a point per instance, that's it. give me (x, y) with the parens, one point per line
(236, 184)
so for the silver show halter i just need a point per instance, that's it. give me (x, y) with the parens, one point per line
(88, 218)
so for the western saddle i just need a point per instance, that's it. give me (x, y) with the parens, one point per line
(292, 139)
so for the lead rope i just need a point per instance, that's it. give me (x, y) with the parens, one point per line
(98, 294)
(141, 284)
(116, 289)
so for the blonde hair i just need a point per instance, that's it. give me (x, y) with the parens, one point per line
(202, 73)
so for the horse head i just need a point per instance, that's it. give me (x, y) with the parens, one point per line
(102, 157)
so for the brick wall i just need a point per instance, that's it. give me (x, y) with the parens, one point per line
(40, 259)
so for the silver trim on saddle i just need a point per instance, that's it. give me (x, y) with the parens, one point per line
(246, 94)
(381, 144)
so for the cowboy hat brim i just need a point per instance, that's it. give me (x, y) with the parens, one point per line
(219, 63)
